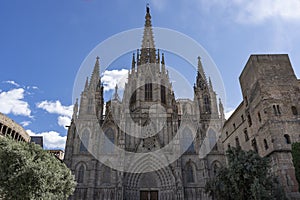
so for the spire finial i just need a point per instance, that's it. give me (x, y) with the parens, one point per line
(200, 68)
(133, 61)
(147, 8)
(116, 96)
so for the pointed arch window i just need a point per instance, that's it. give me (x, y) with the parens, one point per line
(84, 141)
(294, 110)
(187, 142)
(190, 175)
(80, 174)
(287, 139)
(148, 92)
(163, 94)
(109, 141)
(106, 174)
(254, 145)
(206, 104)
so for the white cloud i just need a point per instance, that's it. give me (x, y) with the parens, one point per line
(56, 108)
(25, 123)
(64, 121)
(12, 83)
(258, 11)
(52, 139)
(12, 102)
(159, 4)
(113, 77)
(228, 113)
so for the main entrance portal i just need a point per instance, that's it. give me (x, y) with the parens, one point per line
(149, 195)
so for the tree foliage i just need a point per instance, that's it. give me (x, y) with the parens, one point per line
(246, 177)
(28, 172)
(296, 160)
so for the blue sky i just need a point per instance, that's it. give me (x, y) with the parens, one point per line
(43, 44)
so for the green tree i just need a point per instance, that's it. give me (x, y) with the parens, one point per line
(246, 177)
(296, 160)
(28, 172)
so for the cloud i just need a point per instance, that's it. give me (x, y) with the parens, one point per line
(113, 77)
(56, 108)
(25, 123)
(12, 83)
(228, 113)
(12, 102)
(52, 139)
(64, 121)
(159, 4)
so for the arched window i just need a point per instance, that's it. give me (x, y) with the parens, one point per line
(80, 174)
(106, 174)
(163, 94)
(84, 141)
(266, 144)
(187, 141)
(109, 141)
(212, 138)
(254, 145)
(237, 142)
(206, 104)
(287, 139)
(148, 91)
(294, 110)
(246, 134)
(190, 173)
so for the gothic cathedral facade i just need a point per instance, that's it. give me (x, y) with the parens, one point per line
(113, 150)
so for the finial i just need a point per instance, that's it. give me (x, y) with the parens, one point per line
(133, 61)
(162, 59)
(86, 83)
(97, 57)
(147, 8)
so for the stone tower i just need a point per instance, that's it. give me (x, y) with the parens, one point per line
(147, 145)
(267, 120)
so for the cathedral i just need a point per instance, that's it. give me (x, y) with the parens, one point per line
(147, 144)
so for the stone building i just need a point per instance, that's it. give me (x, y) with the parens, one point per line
(147, 145)
(9, 127)
(268, 120)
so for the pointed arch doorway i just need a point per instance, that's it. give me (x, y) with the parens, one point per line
(148, 185)
(148, 194)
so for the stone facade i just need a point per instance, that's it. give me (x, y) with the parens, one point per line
(268, 120)
(9, 127)
(96, 141)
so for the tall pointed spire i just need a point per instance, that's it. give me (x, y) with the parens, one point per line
(200, 68)
(148, 46)
(221, 109)
(86, 83)
(133, 62)
(95, 79)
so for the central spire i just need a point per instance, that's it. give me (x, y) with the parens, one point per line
(148, 47)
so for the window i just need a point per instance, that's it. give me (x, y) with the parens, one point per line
(190, 174)
(276, 109)
(246, 101)
(234, 127)
(109, 141)
(148, 92)
(106, 176)
(90, 105)
(249, 120)
(226, 133)
(133, 98)
(206, 104)
(254, 145)
(294, 110)
(163, 94)
(246, 134)
(259, 117)
(84, 141)
(237, 142)
(187, 143)
(242, 116)
(287, 139)
(228, 146)
(266, 144)
(80, 174)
